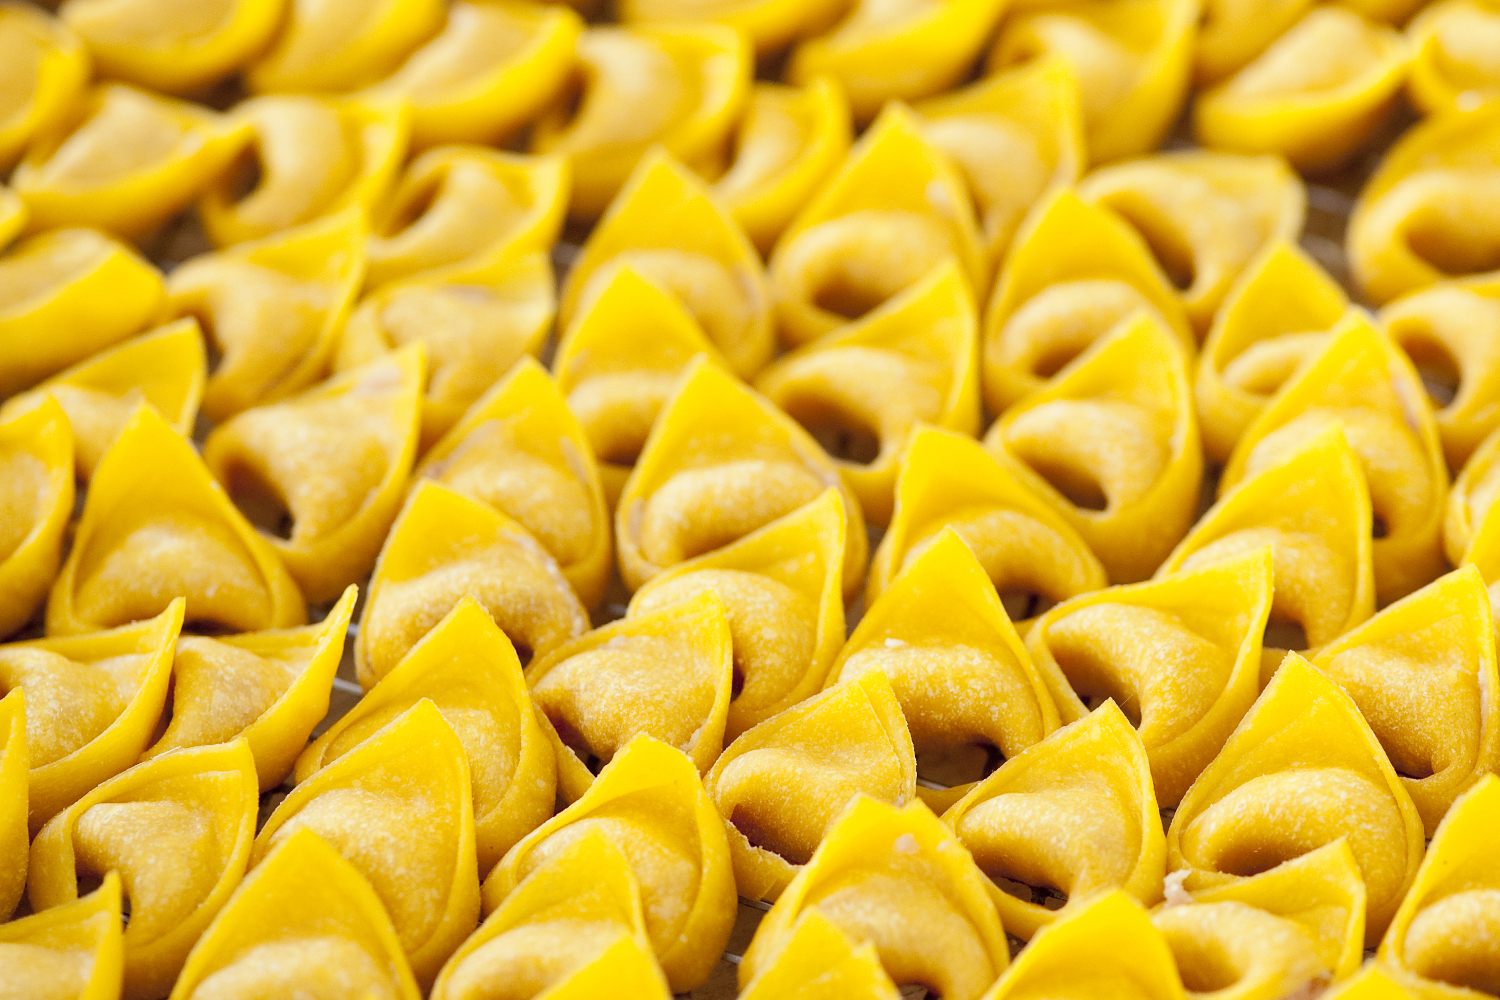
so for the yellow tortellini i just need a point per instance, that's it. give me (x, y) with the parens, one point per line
(1075, 273)
(95, 703)
(897, 878)
(1362, 382)
(1430, 211)
(1112, 444)
(398, 807)
(1470, 522)
(940, 629)
(519, 450)
(1132, 59)
(1445, 929)
(444, 547)
(70, 952)
(679, 87)
(819, 962)
(1240, 951)
(47, 67)
(272, 308)
(36, 502)
(466, 205)
(780, 588)
(1182, 654)
(1313, 96)
(337, 46)
(271, 688)
(304, 157)
(573, 928)
(130, 161)
(468, 669)
(488, 72)
(882, 50)
(322, 474)
(155, 527)
(178, 46)
(1377, 982)
(1064, 820)
(1234, 32)
(665, 673)
(720, 463)
(769, 24)
(895, 211)
(1205, 215)
(781, 785)
(1300, 772)
(788, 143)
(1456, 62)
(1015, 136)
(65, 296)
(304, 918)
(1276, 316)
(861, 389)
(14, 772)
(177, 829)
(1030, 552)
(650, 804)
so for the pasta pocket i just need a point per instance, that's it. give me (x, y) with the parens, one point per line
(15, 767)
(1235, 32)
(445, 547)
(769, 24)
(125, 160)
(781, 786)
(1263, 956)
(788, 143)
(572, 928)
(1015, 136)
(1302, 770)
(398, 807)
(1071, 817)
(492, 68)
(1455, 66)
(1430, 210)
(681, 88)
(272, 309)
(323, 47)
(819, 962)
(1205, 215)
(1132, 61)
(1182, 653)
(779, 587)
(1112, 444)
(65, 296)
(896, 878)
(36, 503)
(1468, 532)
(177, 829)
(70, 952)
(1031, 554)
(322, 474)
(1361, 381)
(649, 803)
(51, 68)
(304, 918)
(269, 688)
(896, 210)
(940, 628)
(861, 389)
(1075, 272)
(1374, 982)
(1273, 318)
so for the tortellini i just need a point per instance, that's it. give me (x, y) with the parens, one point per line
(897, 878)
(721, 462)
(14, 772)
(156, 526)
(1112, 444)
(679, 87)
(769, 24)
(94, 702)
(1300, 772)
(1076, 272)
(337, 46)
(444, 547)
(1234, 32)
(1455, 63)
(1205, 215)
(781, 785)
(304, 918)
(1071, 817)
(896, 210)
(1469, 524)
(1430, 211)
(36, 502)
(70, 952)
(177, 829)
(861, 389)
(50, 67)
(1181, 653)
(819, 962)
(650, 804)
